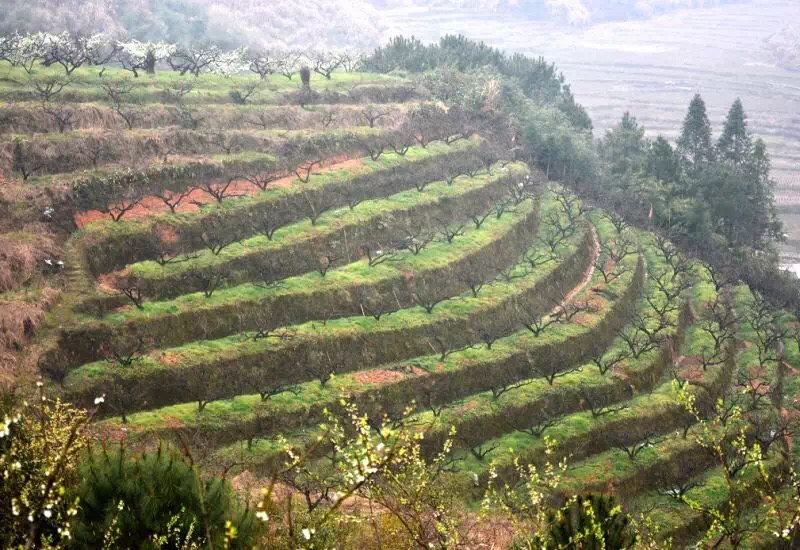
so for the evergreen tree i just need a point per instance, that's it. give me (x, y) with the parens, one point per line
(766, 224)
(591, 522)
(663, 163)
(155, 499)
(695, 140)
(734, 144)
(624, 148)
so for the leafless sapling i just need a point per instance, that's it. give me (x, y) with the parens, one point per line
(596, 406)
(303, 171)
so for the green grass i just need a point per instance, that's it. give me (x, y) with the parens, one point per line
(208, 88)
(125, 228)
(436, 255)
(331, 222)
(204, 351)
(451, 365)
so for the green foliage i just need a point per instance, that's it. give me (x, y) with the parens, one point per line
(153, 498)
(379, 463)
(40, 444)
(590, 522)
(625, 147)
(694, 142)
(704, 192)
(538, 79)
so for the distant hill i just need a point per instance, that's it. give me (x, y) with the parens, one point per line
(292, 23)
(284, 23)
(574, 12)
(785, 47)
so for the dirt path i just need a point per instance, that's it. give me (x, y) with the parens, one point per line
(587, 275)
(195, 199)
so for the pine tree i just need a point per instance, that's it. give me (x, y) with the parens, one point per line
(136, 499)
(695, 140)
(624, 147)
(766, 224)
(591, 522)
(734, 144)
(663, 163)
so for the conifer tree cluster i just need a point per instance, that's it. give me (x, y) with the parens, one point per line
(704, 189)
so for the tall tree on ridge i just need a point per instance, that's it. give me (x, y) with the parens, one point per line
(695, 140)
(735, 144)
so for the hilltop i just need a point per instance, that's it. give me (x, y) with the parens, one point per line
(407, 298)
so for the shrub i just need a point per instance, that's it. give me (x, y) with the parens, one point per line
(40, 443)
(590, 522)
(154, 498)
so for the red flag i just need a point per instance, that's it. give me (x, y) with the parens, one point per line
(650, 215)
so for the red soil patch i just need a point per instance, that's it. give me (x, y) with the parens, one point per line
(790, 370)
(107, 281)
(581, 319)
(174, 422)
(466, 407)
(167, 235)
(171, 358)
(619, 371)
(385, 376)
(196, 198)
(692, 374)
(587, 275)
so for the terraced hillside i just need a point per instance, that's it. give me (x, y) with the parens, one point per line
(229, 281)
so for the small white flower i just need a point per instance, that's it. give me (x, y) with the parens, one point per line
(39, 384)
(379, 448)
(47, 513)
(60, 263)
(48, 261)
(307, 533)
(98, 400)
(262, 516)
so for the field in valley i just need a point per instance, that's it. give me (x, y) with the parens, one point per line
(654, 67)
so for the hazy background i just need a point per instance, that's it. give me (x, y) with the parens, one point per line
(649, 56)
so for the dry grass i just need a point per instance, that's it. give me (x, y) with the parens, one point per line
(20, 319)
(22, 255)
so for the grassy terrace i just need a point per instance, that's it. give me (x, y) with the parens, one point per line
(157, 171)
(29, 119)
(477, 416)
(705, 482)
(208, 89)
(348, 343)
(347, 382)
(63, 160)
(111, 245)
(450, 382)
(647, 416)
(648, 424)
(297, 248)
(583, 432)
(442, 268)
